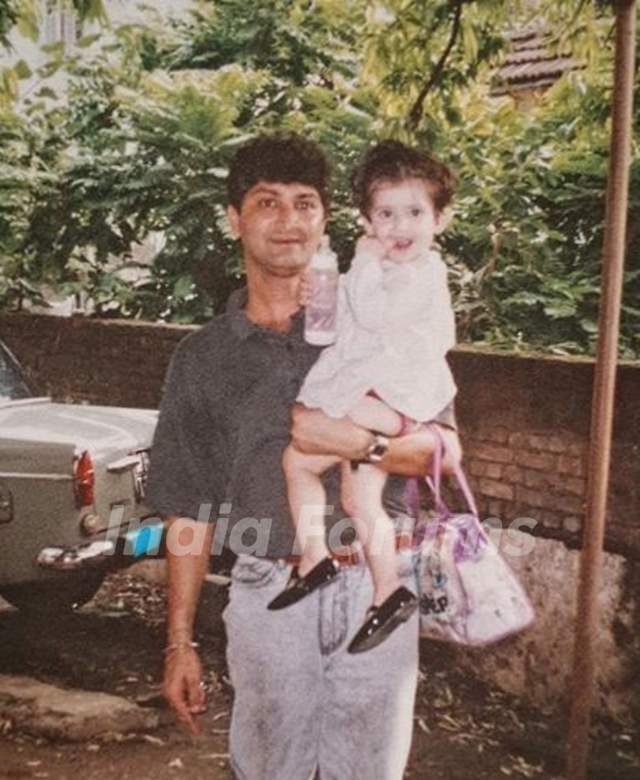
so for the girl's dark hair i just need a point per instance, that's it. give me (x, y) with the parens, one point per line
(282, 158)
(393, 161)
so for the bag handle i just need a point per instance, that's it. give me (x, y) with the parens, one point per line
(435, 481)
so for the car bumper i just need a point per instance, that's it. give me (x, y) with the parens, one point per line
(145, 541)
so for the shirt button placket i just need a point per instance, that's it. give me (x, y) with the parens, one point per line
(293, 380)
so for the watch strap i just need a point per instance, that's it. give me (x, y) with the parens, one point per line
(375, 452)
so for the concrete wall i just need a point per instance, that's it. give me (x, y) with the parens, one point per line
(525, 426)
(537, 664)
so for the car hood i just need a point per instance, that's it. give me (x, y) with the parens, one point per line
(100, 429)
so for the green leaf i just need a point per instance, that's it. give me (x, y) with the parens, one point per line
(46, 92)
(22, 70)
(183, 287)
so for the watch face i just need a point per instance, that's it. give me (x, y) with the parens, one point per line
(378, 451)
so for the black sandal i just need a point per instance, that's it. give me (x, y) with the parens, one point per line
(299, 587)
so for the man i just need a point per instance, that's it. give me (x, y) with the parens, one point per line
(302, 704)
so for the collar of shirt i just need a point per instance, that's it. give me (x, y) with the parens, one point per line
(242, 326)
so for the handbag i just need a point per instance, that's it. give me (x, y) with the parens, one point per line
(468, 594)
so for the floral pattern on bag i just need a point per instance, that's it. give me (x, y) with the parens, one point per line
(468, 593)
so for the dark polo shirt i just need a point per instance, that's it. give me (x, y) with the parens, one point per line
(223, 426)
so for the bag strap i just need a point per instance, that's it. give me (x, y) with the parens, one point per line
(435, 481)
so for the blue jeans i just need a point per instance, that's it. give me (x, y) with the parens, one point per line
(302, 703)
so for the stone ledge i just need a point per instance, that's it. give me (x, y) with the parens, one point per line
(66, 714)
(537, 663)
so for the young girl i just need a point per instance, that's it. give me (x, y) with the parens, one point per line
(386, 370)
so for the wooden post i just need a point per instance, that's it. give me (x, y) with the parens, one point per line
(603, 394)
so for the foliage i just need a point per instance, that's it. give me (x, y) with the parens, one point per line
(294, 41)
(25, 13)
(147, 152)
(142, 145)
(27, 17)
(419, 54)
(528, 234)
(24, 177)
(8, 17)
(524, 249)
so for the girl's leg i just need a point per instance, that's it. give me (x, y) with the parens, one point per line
(362, 499)
(375, 529)
(374, 414)
(307, 500)
(346, 487)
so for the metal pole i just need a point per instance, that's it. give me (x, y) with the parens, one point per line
(603, 393)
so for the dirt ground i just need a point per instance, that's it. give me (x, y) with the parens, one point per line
(463, 729)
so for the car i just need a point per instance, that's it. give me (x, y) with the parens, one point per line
(72, 494)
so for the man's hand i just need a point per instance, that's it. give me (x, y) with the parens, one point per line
(305, 289)
(185, 572)
(315, 433)
(182, 686)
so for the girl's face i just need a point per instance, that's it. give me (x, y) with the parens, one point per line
(402, 217)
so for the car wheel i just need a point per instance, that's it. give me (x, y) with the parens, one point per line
(52, 597)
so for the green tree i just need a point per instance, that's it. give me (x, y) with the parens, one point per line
(25, 13)
(145, 139)
(147, 151)
(8, 17)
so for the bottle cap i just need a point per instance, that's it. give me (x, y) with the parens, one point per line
(325, 259)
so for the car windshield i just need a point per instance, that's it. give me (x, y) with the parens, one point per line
(12, 385)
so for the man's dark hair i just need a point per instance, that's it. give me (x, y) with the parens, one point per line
(278, 158)
(394, 161)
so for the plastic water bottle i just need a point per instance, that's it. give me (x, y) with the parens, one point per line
(321, 311)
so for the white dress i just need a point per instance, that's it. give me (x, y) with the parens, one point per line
(395, 326)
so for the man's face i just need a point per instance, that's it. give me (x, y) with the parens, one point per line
(280, 226)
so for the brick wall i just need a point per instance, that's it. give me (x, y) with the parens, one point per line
(524, 420)
(525, 424)
(114, 362)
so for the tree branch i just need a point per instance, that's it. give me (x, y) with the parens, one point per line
(416, 110)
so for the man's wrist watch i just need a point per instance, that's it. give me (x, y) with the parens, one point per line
(377, 449)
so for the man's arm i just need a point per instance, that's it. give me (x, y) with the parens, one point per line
(313, 432)
(185, 572)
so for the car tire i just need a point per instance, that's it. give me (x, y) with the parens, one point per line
(52, 597)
